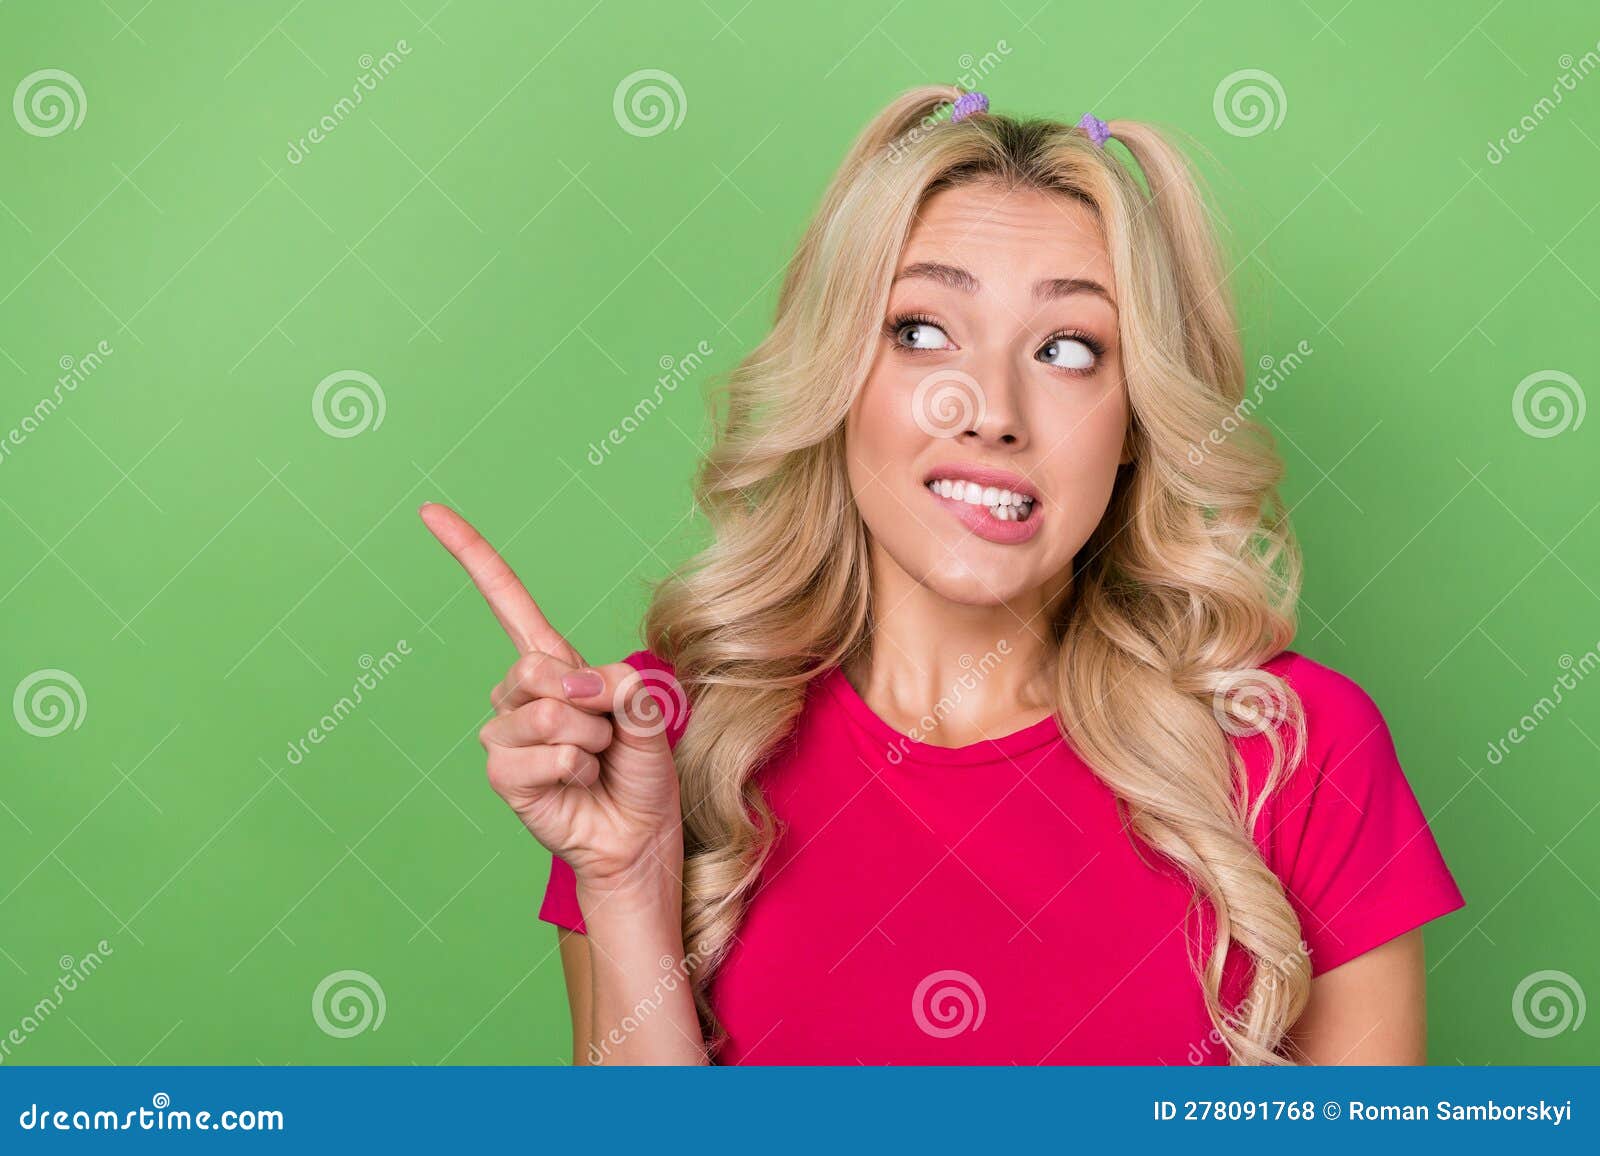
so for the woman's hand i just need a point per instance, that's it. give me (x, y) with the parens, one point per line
(581, 756)
(579, 753)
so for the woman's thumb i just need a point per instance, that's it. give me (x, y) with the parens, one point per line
(647, 707)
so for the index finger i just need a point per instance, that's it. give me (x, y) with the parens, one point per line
(518, 613)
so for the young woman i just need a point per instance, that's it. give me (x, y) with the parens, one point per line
(972, 737)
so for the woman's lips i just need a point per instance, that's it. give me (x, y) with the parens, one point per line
(981, 522)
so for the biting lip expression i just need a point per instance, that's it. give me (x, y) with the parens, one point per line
(996, 505)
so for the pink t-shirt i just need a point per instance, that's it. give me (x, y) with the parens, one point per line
(984, 905)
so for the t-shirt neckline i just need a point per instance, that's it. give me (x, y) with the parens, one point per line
(901, 747)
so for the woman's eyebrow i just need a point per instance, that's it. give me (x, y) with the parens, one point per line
(951, 275)
(958, 278)
(1066, 286)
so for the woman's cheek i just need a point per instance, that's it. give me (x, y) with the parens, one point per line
(878, 398)
(1086, 449)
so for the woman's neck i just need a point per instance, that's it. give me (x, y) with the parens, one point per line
(979, 671)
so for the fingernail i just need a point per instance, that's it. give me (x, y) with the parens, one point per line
(582, 684)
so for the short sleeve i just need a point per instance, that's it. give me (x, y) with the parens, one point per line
(1345, 833)
(560, 905)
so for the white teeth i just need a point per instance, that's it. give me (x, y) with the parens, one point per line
(975, 494)
(1011, 513)
(1003, 505)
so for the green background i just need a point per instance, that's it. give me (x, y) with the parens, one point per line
(482, 237)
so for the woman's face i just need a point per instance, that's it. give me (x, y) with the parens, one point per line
(983, 447)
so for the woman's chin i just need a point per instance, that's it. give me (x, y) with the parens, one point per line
(967, 584)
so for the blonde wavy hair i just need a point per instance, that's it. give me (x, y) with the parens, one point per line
(1186, 587)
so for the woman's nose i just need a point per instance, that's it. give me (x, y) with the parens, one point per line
(997, 417)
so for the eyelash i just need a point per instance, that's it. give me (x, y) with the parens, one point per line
(1095, 346)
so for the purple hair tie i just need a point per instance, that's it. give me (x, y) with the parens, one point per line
(1098, 130)
(967, 104)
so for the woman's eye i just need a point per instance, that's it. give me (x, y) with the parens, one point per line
(1068, 354)
(921, 335)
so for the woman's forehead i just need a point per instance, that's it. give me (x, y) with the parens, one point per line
(989, 228)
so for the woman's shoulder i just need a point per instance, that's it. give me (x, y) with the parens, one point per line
(1349, 747)
(1344, 830)
(1318, 684)
(1337, 709)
